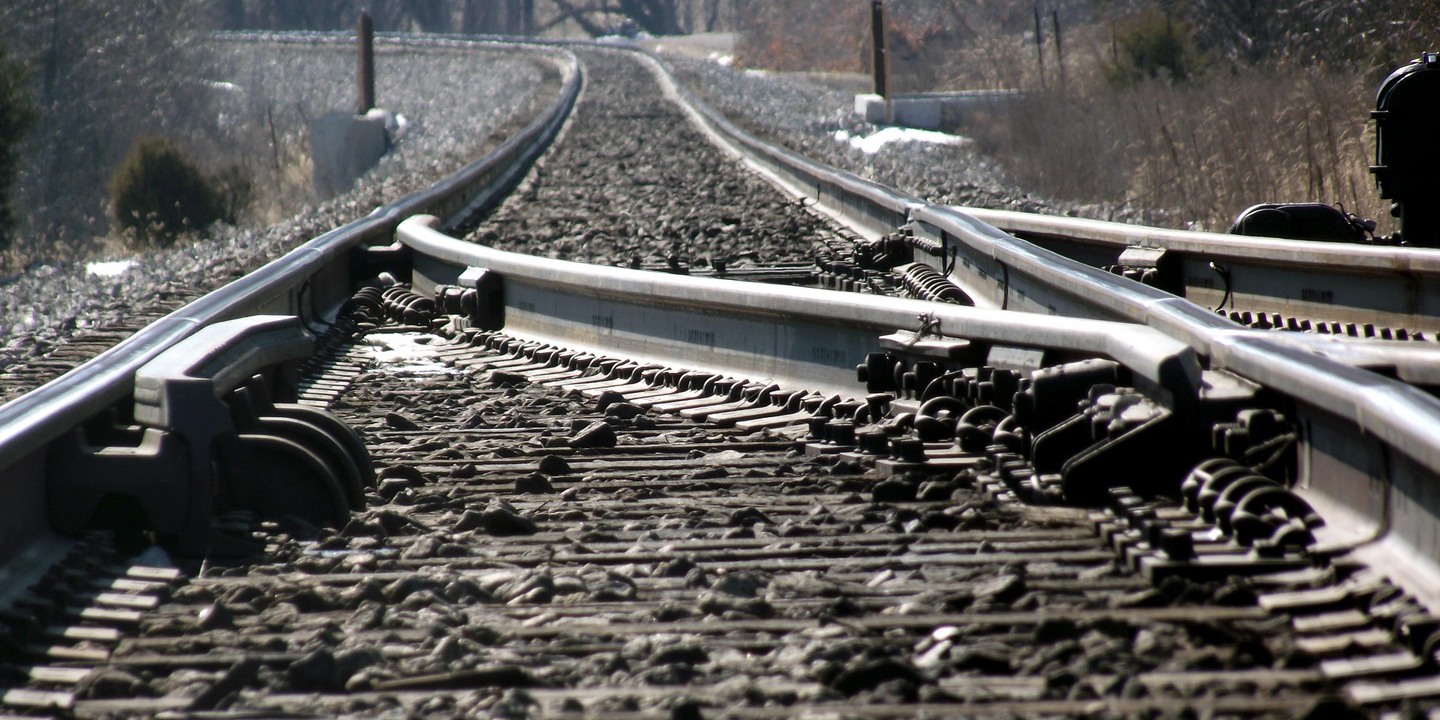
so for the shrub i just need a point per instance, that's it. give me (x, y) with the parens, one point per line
(159, 194)
(1152, 46)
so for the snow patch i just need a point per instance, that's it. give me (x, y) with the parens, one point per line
(722, 60)
(395, 124)
(871, 144)
(112, 268)
(409, 353)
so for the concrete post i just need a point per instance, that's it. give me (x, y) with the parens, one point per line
(366, 31)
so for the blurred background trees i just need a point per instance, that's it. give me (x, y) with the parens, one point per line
(17, 114)
(1197, 105)
(1196, 108)
(512, 17)
(99, 75)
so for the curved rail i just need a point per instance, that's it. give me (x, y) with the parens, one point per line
(1392, 286)
(1357, 425)
(802, 336)
(310, 281)
(1000, 270)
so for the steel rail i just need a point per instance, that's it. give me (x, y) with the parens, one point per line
(1345, 282)
(1000, 270)
(311, 281)
(802, 336)
(1378, 430)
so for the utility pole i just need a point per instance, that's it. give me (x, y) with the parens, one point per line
(366, 31)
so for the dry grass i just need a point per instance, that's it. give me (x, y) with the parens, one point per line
(835, 38)
(1269, 127)
(1202, 152)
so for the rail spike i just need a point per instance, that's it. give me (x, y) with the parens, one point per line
(213, 432)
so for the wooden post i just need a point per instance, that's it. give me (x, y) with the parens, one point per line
(877, 42)
(367, 63)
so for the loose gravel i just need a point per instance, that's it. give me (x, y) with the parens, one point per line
(805, 116)
(631, 181)
(506, 567)
(455, 99)
(662, 220)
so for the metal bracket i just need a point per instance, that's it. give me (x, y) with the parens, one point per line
(205, 421)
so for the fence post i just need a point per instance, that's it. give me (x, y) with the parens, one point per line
(1059, 50)
(881, 64)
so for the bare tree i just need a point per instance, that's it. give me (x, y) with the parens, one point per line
(656, 17)
(16, 117)
(104, 72)
(1376, 34)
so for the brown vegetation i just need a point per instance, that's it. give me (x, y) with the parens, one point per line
(512, 17)
(1196, 107)
(160, 194)
(102, 73)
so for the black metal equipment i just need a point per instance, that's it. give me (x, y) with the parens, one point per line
(1407, 148)
(1302, 221)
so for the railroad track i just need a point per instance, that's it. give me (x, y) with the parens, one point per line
(495, 482)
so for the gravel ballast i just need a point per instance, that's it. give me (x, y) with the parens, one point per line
(455, 98)
(453, 102)
(803, 115)
(632, 182)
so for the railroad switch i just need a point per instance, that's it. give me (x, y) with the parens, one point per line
(1053, 430)
(1153, 266)
(210, 437)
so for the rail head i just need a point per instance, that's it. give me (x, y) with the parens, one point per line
(214, 361)
(1162, 361)
(290, 283)
(1221, 246)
